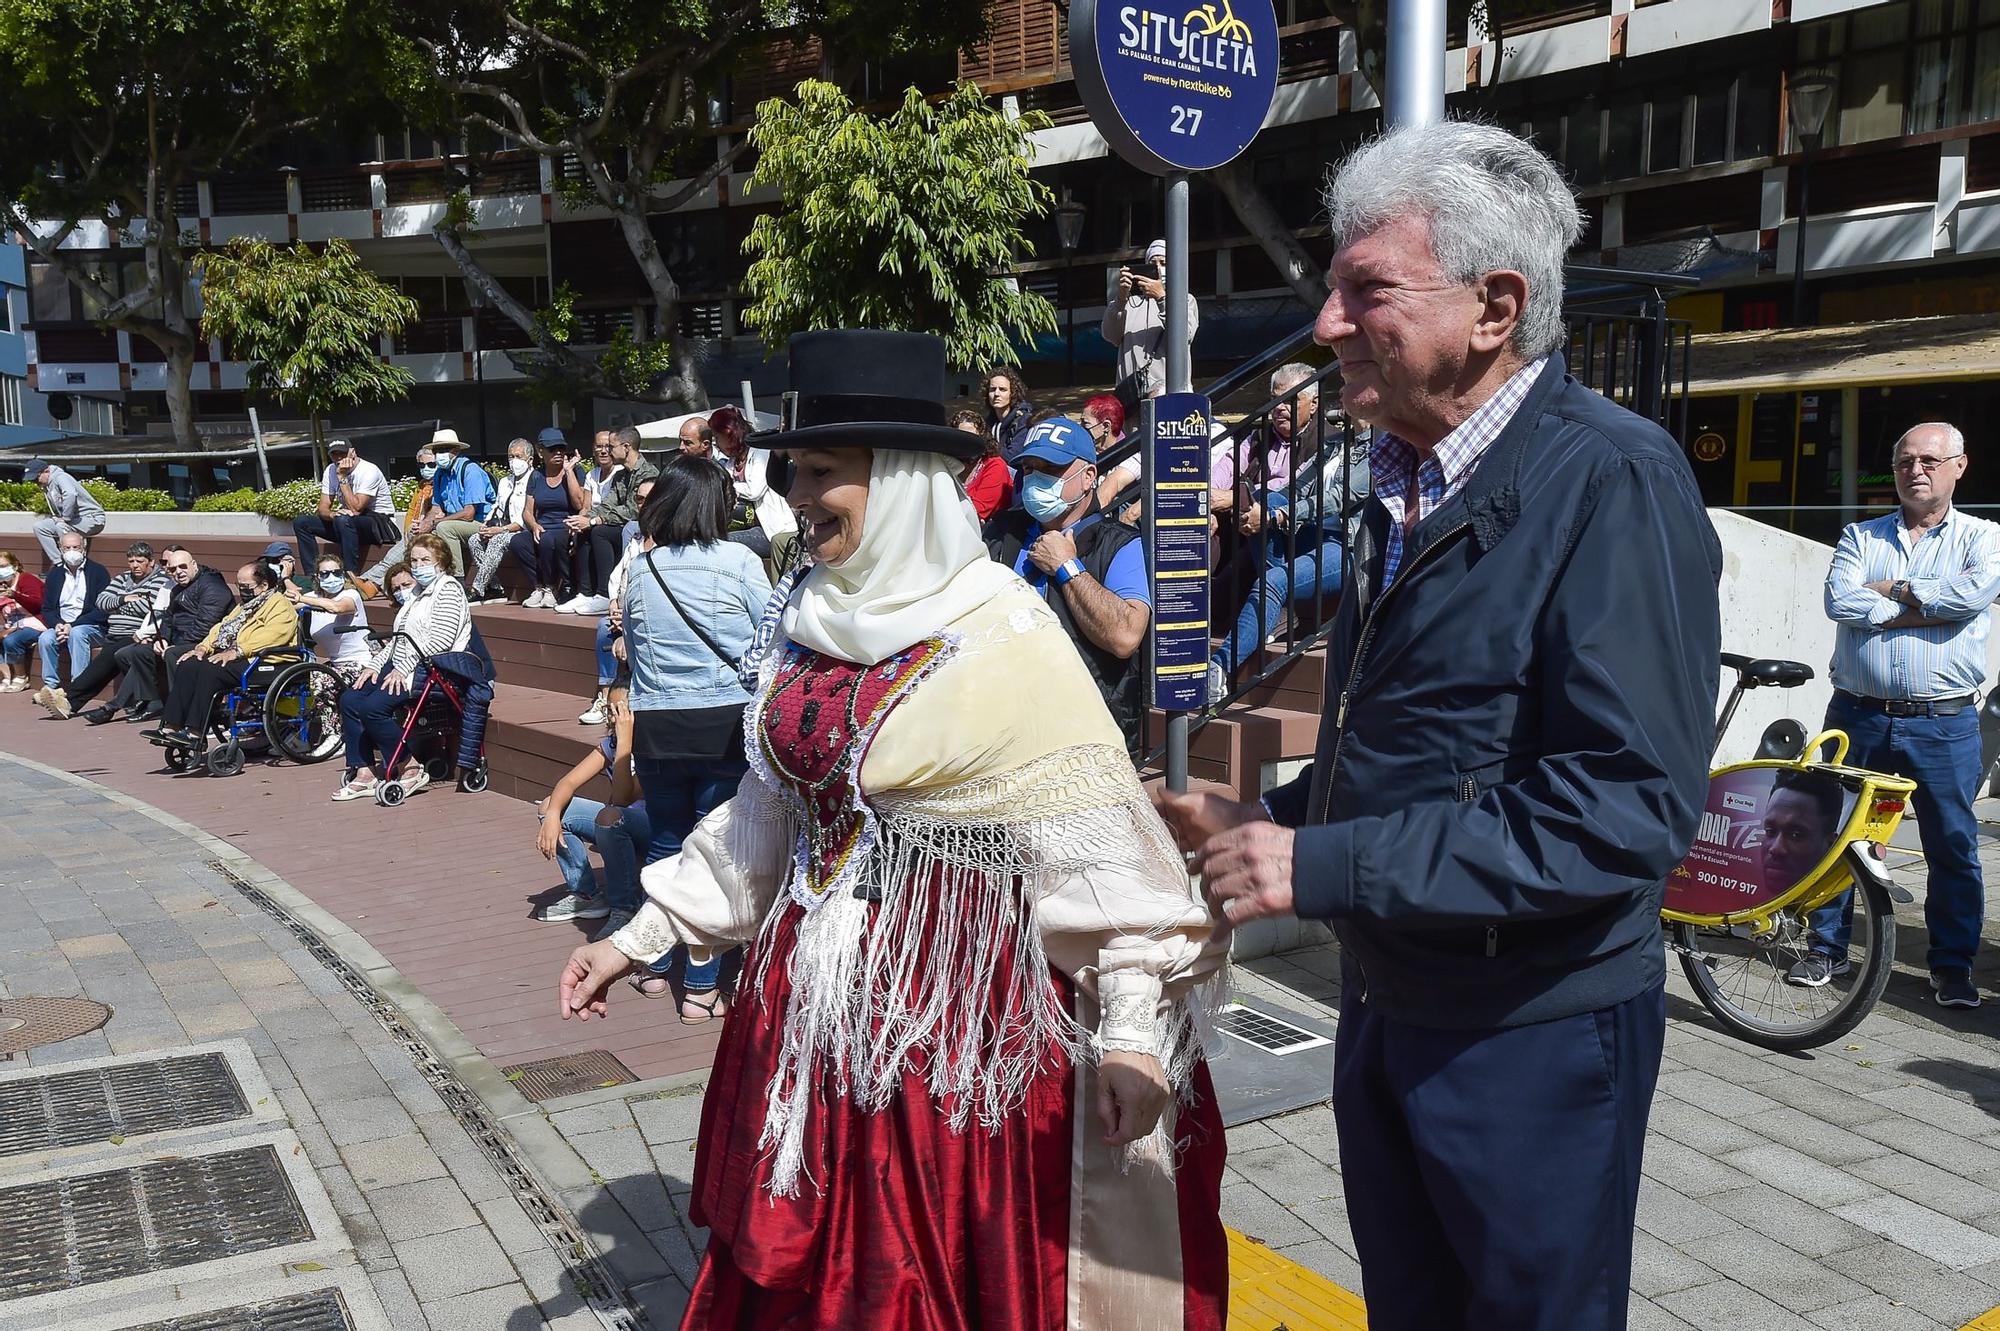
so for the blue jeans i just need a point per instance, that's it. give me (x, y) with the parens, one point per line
(1316, 572)
(619, 844)
(83, 638)
(680, 792)
(16, 645)
(1941, 754)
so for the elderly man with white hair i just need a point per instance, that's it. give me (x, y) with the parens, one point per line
(1909, 594)
(1513, 755)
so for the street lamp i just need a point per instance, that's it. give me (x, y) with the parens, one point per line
(1808, 98)
(1069, 234)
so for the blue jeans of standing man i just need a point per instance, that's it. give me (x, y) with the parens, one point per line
(1941, 754)
(619, 843)
(83, 639)
(680, 792)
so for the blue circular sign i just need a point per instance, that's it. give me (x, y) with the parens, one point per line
(1180, 88)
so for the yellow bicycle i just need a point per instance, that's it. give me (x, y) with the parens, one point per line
(1783, 837)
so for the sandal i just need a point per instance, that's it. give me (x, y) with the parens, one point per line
(708, 1010)
(651, 986)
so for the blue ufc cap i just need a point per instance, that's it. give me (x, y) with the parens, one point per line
(1061, 441)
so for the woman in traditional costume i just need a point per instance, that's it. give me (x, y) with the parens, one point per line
(961, 1086)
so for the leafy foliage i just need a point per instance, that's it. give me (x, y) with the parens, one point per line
(896, 222)
(26, 497)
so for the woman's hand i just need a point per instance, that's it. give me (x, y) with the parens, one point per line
(224, 658)
(590, 970)
(395, 682)
(365, 678)
(549, 839)
(1131, 1092)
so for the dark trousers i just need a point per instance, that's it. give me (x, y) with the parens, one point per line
(1941, 754)
(1492, 1176)
(606, 545)
(354, 531)
(146, 672)
(542, 560)
(371, 721)
(196, 685)
(103, 668)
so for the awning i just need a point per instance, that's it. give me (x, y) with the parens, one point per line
(1895, 351)
(99, 449)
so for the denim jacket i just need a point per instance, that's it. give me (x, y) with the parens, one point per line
(723, 586)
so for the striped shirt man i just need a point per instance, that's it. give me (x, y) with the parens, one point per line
(1953, 571)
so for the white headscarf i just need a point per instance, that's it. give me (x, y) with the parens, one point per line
(920, 565)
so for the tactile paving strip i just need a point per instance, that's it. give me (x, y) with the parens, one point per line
(1270, 1292)
(307, 1312)
(70, 1232)
(98, 1104)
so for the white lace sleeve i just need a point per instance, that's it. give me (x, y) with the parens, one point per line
(716, 892)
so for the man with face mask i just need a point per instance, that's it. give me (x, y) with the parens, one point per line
(1091, 570)
(75, 621)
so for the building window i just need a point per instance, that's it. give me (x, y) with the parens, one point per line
(6, 310)
(94, 416)
(11, 387)
(1908, 68)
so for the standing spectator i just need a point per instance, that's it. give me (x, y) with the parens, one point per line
(1008, 409)
(20, 621)
(461, 497)
(1910, 594)
(1136, 323)
(75, 623)
(336, 620)
(432, 617)
(988, 481)
(489, 544)
(1516, 760)
(370, 582)
(356, 509)
(544, 547)
(610, 633)
(197, 603)
(132, 602)
(71, 507)
(604, 525)
(770, 519)
(689, 612)
(263, 621)
(617, 826)
(1091, 571)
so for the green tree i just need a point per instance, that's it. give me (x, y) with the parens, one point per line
(897, 221)
(114, 106)
(309, 325)
(620, 95)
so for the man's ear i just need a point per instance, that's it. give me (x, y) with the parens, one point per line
(1503, 295)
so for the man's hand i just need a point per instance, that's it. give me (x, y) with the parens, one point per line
(425, 525)
(1124, 283)
(1246, 872)
(1051, 550)
(1131, 1092)
(141, 597)
(1152, 288)
(159, 647)
(1251, 520)
(576, 522)
(62, 633)
(1196, 817)
(590, 970)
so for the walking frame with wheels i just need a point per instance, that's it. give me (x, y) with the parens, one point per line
(446, 709)
(1782, 836)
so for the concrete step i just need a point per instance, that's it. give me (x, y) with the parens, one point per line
(532, 649)
(533, 738)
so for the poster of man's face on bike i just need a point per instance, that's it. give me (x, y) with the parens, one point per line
(1763, 830)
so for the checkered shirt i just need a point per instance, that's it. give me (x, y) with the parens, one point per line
(1396, 473)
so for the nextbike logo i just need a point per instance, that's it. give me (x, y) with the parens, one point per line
(1203, 37)
(1194, 425)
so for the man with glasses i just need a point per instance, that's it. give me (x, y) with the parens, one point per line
(1909, 593)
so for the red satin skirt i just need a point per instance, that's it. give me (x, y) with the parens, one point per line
(902, 1224)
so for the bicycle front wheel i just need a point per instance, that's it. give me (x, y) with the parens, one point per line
(1758, 992)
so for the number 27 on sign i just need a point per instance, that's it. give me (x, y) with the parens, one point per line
(1187, 120)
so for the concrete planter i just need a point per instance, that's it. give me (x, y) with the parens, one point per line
(22, 525)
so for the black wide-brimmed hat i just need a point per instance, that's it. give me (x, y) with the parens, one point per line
(867, 388)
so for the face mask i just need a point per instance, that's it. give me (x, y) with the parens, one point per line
(331, 583)
(402, 595)
(72, 558)
(428, 470)
(1041, 495)
(517, 466)
(425, 574)
(7, 572)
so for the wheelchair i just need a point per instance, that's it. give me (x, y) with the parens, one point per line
(286, 701)
(444, 727)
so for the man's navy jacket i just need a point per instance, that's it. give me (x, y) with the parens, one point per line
(1515, 746)
(95, 579)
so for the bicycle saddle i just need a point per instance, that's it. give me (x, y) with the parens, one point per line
(1784, 674)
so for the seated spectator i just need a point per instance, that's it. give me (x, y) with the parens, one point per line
(545, 547)
(371, 580)
(1262, 458)
(1007, 410)
(697, 438)
(197, 602)
(617, 826)
(75, 624)
(1103, 416)
(604, 525)
(988, 480)
(1091, 571)
(689, 611)
(286, 565)
(20, 621)
(433, 617)
(336, 621)
(461, 497)
(263, 621)
(71, 507)
(610, 640)
(762, 519)
(602, 468)
(356, 509)
(489, 544)
(132, 603)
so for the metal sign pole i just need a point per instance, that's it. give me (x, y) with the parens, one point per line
(263, 462)
(1415, 86)
(1180, 379)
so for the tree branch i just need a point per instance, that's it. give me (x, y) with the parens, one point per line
(556, 44)
(707, 177)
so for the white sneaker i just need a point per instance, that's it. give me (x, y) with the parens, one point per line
(536, 600)
(591, 605)
(1218, 683)
(573, 606)
(595, 716)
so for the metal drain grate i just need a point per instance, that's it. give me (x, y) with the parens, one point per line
(307, 1312)
(1266, 1032)
(567, 1074)
(84, 1230)
(28, 1022)
(96, 1104)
